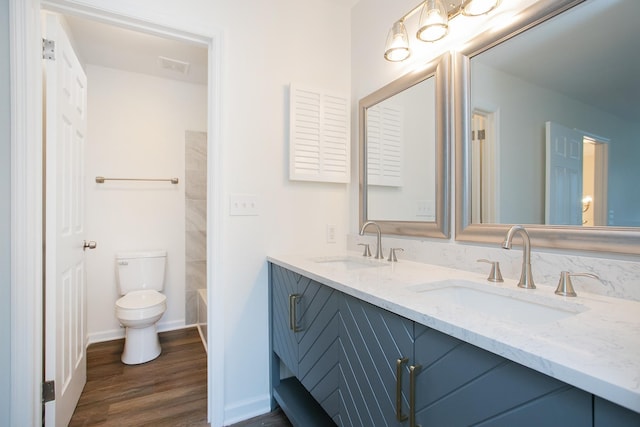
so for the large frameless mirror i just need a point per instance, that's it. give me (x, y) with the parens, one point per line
(404, 146)
(548, 128)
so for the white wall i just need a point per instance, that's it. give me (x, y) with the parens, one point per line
(266, 45)
(5, 217)
(136, 128)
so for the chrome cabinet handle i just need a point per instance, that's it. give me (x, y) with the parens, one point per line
(293, 301)
(413, 371)
(399, 363)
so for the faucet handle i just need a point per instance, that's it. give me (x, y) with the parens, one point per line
(565, 287)
(392, 254)
(494, 275)
(367, 251)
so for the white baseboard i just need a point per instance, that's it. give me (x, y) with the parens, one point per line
(116, 334)
(246, 409)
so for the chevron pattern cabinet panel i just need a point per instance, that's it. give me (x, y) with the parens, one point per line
(285, 343)
(372, 340)
(461, 385)
(318, 344)
(344, 353)
(311, 351)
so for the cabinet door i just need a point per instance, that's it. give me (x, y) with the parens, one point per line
(372, 341)
(284, 283)
(305, 333)
(608, 414)
(460, 385)
(319, 343)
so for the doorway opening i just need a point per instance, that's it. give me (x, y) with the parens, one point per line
(576, 183)
(119, 153)
(485, 192)
(594, 181)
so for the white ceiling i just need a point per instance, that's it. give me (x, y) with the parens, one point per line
(114, 47)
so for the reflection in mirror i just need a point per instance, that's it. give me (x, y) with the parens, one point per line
(403, 154)
(549, 128)
(401, 146)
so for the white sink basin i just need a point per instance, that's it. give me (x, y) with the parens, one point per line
(504, 305)
(350, 262)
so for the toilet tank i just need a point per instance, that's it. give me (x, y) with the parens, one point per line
(140, 270)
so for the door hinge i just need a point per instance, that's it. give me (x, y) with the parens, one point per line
(48, 391)
(49, 49)
(481, 134)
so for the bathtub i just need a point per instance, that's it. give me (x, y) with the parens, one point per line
(202, 316)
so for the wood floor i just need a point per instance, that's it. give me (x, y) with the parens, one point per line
(169, 391)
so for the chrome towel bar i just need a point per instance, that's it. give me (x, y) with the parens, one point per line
(102, 179)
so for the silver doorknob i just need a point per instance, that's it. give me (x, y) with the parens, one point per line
(90, 244)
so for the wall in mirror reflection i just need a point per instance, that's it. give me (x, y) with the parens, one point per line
(401, 147)
(547, 149)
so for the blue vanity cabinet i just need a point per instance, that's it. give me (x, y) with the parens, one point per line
(374, 342)
(607, 414)
(369, 367)
(459, 384)
(305, 337)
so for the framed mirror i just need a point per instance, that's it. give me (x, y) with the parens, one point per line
(547, 128)
(404, 153)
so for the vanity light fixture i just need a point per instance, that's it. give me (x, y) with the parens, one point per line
(434, 21)
(397, 47)
(433, 24)
(478, 7)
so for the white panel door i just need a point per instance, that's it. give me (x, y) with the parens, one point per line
(65, 296)
(563, 204)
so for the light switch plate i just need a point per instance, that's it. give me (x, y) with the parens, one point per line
(243, 205)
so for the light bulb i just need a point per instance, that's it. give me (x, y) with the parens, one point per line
(478, 7)
(397, 46)
(433, 21)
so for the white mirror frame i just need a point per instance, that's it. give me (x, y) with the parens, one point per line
(600, 239)
(440, 228)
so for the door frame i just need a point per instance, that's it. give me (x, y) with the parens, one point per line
(27, 212)
(488, 176)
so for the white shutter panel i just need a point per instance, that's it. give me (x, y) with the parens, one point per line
(384, 145)
(319, 136)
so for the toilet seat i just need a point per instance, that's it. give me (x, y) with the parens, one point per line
(139, 305)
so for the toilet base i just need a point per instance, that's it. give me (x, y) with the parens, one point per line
(140, 345)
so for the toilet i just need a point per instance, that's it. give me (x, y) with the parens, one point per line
(140, 277)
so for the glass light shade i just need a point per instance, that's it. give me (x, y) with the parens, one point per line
(397, 46)
(478, 7)
(434, 22)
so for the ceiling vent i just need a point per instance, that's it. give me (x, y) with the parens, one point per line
(174, 65)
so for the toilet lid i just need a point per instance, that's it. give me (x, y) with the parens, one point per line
(141, 299)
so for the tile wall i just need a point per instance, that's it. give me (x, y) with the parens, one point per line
(195, 221)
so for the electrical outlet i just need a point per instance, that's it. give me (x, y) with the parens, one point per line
(331, 233)
(425, 208)
(243, 205)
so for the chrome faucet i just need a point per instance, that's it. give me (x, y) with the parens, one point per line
(526, 278)
(379, 251)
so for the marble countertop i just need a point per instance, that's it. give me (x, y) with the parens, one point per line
(591, 342)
